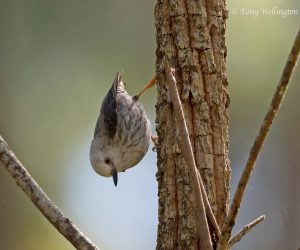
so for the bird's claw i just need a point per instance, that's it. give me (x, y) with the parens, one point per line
(154, 139)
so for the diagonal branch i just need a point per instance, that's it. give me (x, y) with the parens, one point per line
(41, 200)
(236, 238)
(208, 209)
(183, 127)
(264, 129)
(186, 149)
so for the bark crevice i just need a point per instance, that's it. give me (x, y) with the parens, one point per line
(190, 34)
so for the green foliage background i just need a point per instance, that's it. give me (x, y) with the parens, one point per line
(57, 60)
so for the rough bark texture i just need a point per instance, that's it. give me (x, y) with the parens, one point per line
(190, 33)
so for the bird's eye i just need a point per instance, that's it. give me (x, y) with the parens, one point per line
(107, 161)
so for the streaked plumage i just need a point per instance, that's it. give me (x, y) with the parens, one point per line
(122, 133)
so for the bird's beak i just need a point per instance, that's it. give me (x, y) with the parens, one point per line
(114, 174)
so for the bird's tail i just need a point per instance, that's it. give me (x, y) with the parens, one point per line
(118, 82)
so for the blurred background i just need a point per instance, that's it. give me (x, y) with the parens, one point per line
(58, 59)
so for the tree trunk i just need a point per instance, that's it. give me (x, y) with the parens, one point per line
(190, 33)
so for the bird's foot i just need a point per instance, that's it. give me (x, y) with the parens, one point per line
(154, 139)
(149, 85)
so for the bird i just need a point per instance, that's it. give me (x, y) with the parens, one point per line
(122, 133)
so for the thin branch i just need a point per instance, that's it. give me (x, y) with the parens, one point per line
(236, 238)
(264, 129)
(208, 209)
(186, 149)
(38, 197)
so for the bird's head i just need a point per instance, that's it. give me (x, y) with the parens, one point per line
(105, 161)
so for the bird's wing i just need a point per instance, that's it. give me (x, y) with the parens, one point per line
(109, 108)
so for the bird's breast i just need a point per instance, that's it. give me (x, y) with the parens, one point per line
(133, 132)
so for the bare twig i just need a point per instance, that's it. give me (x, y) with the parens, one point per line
(236, 238)
(264, 129)
(186, 149)
(41, 200)
(208, 209)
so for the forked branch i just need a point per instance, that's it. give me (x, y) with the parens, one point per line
(236, 238)
(264, 129)
(186, 149)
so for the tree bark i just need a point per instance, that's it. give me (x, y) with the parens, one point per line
(190, 33)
